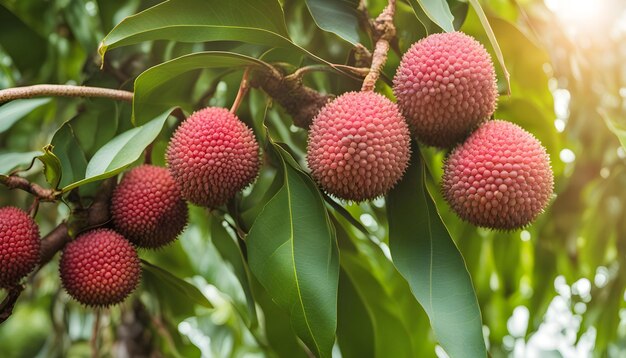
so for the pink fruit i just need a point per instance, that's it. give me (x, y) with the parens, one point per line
(358, 146)
(445, 86)
(499, 178)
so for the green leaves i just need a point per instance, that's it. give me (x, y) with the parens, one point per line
(150, 100)
(251, 21)
(11, 161)
(494, 42)
(293, 252)
(338, 17)
(167, 279)
(15, 110)
(428, 258)
(437, 11)
(121, 152)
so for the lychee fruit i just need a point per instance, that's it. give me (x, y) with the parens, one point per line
(100, 268)
(20, 246)
(499, 178)
(359, 146)
(445, 86)
(147, 207)
(213, 155)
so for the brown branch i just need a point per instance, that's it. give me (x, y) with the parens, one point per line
(53, 243)
(10, 94)
(384, 31)
(301, 102)
(17, 182)
(6, 307)
(300, 72)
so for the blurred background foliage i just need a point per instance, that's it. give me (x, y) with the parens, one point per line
(556, 288)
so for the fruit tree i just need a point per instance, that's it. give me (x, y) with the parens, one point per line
(312, 178)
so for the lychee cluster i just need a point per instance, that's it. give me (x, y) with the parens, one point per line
(19, 245)
(212, 156)
(500, 177)
(100, 268)
(445, 86)
(147, 207)
(358, 146)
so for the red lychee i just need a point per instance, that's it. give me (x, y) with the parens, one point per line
(359, 146)
(212, 156)
(100, 268)
(445, 86)
(147, 207)
(19, 245)
(499, 178)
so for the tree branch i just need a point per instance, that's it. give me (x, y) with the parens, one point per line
(17, 182)
(6, 307)
(53, 243)
(301, 102)
(10, 94)
(384, 31)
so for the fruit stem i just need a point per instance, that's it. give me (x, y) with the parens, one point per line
(94, 334)
(34, 207)
(243, 90)
(10, 94)
(384, 31)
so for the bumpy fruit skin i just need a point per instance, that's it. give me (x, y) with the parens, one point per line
(445, 87)
(100, 268)
(499, 178)
(20, 246)
(147, 207)
(212, 156)
(359, 146)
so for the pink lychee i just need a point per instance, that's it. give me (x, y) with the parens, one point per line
(147, 207)
(212, 156)
(100, 268)
(20, 245)
(359, 146)
(445, 86)
(499, 178)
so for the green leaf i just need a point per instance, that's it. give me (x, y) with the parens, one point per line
(428, 258)
(149, 100)
(437, 10)
(279, 332)
(177, 284)
(231, 253)
(258, 22)
(11, 161)
(393, 324)
(70, 154)
(293, 252)
(352, 314)
(18, 109)
(336, 16)
(51, 166)
(494, 42)
(15, 33)
(121, 151)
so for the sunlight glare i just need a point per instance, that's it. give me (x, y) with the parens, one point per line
(577, 14)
